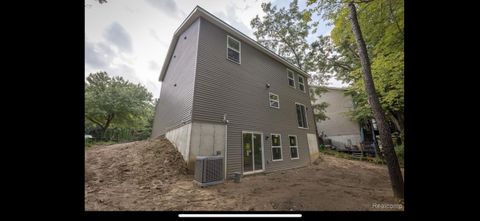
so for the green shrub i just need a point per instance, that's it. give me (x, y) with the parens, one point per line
(321, 147)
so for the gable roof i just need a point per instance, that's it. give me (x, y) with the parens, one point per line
(200, 12)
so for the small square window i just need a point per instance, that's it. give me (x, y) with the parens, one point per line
(274, 100)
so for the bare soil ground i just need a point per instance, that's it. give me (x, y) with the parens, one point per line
(151, 175)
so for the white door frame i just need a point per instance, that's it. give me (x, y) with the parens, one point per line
(253, 154)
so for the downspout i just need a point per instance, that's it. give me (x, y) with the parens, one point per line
(225, 121)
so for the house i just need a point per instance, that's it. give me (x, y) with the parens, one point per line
(339, 128)
(225, 94)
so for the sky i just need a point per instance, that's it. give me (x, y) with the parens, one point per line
(131, 38)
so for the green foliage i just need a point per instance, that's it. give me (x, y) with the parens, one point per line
(318, 107)
(321, 147)
(400, 151)
(382, 23)
(285, 31)
(112, 102)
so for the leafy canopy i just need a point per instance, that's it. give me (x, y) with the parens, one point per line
(113, 100)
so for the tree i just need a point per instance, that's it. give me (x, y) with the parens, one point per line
(113, 100)
(382, 25)
(318, 108)
(330, 9)
(285, 31)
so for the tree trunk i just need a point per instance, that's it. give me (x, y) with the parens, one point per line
(385, 135)
(397, 121)
(107, 124)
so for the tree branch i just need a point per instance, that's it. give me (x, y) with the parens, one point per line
(394, 18)
(94, 121)
(293, 51)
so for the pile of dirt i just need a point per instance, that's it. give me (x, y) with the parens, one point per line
(151, 176)
(130, 170)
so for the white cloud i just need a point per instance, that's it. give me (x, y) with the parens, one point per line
(117, 35)
(131, 38)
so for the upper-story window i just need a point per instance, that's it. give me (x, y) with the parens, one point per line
(274, 100)
(291, 78)
(301, 83)
(301, 115)
(233, 49)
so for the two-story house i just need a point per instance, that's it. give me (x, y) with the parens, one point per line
(225, 94)
(339, 128)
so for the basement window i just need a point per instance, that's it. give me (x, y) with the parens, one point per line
(301, 116)
(274, 100)
(276, 147)
(233, 49)
(301, 83)
(293, 147)
(291, 79)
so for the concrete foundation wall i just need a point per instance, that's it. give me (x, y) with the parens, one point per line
(180, 138)
(207, 139)
(313, 146)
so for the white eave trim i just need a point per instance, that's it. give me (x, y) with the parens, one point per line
(200, 12)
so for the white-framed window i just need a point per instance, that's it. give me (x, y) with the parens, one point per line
(301, 115)
(276, 147)
(234, 48)
(291, 78)
(293, 143)
(301, 83)
(274, 100)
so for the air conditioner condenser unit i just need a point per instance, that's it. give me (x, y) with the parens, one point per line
(208, 170)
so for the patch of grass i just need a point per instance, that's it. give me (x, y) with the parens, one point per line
(91, 143)
(375, 160)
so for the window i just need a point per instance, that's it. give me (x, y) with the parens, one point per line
(301, 115)
(293, 147)
(274, 100)
(233, 49)
(301, 83)
(276, 147)
(291, 79)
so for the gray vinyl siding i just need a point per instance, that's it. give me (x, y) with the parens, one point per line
(175, 102)
(238, 90)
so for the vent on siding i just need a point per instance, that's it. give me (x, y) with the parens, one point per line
(208, 170)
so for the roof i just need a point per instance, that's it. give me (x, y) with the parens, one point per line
(200, 12)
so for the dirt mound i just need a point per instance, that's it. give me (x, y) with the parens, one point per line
(150, 175)
(123, 170)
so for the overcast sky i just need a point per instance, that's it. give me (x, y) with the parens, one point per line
(131, 38)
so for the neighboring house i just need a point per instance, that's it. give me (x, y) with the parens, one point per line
(225, 94)
(339, 128)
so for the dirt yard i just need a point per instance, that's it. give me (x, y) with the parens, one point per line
(151, 175)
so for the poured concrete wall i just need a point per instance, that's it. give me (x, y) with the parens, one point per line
(180, 138)
(312, 146)
(207, 139)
